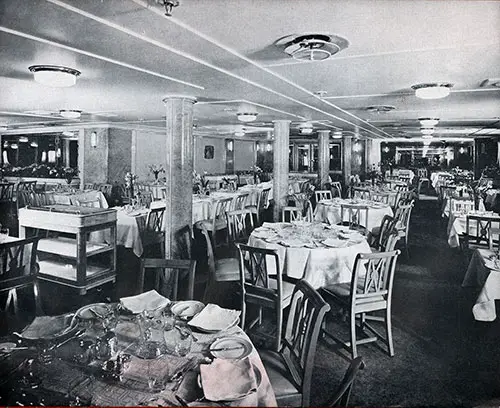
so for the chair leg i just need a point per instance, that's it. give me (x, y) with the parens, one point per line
(407, 249)
(388, 328)
(354, 348)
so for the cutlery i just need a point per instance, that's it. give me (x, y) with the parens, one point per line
(79, 333)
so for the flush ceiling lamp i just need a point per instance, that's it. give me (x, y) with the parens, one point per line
(306, 128)
(337, 134)
(313, 47)
(70, 113)
(246, 116)
(427, 131)
(239, 133)
(169, 5)
(426, 136)
(428, 122)
(435, 90)
(54, 75)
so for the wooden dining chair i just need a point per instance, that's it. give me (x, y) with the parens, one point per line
(19, 269)
(261, 206)
(239, 225)
(89, 186)
(291, 213)
(91, 202)
(262, 290)
(337, 189)
(381, 197)
(322, 195)
(343, 393)
(290, 369)
(240, 201)
(402, 223)
(154, 233)
(353, 215)
(361, 193)
(478, 231)
(370, 291)
(217, 221)
(166, 274)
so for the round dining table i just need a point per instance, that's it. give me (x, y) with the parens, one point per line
(329, 211)
(321, 254)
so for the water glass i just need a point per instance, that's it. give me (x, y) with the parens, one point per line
(184, 341)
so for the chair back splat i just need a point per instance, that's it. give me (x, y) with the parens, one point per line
(290, 370)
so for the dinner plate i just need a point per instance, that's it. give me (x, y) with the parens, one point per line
(46, 328)
(230, 348)
(92, 311)
(7, 347)
(187, 309)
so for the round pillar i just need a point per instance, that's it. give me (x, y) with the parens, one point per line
(280, 161)
(324, 156)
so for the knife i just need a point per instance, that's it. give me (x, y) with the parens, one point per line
(226, 348)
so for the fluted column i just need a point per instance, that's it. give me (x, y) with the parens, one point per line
(323, 156)
(179, 168)
(280, 161)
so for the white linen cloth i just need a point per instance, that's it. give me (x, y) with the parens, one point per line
(483, 273)
(435, 178)
(329, 211)
(317, 263)
(128, 229)
(255, 191)
(150, 300)
(204, 205)
(457, 228)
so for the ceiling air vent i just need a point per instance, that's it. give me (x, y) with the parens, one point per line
(312, 47)
(380, 108)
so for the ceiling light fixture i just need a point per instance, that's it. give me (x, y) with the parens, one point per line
(313, 47)
(169, 5)
(306, 130)
(54, 75)
(337, 134)
(70, 113)
(23, 139)
(427, 136)
(246, 116)
(435, 90)
(14, 146)
(427, 131)
(428, 122)
(34, 144)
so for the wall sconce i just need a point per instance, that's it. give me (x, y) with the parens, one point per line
(386, 149)
(93, 139)
(230, 145)
(462, 150)
(269, 147)
(257, 146)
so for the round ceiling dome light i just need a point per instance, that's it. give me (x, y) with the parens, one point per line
(380, 108)
(54, 75)
(337, 134)
(312, 47)
(428, 122)
(239, 133)
(246, 116)
(306, 128)
(70, 113)
(427, 131)
(435, 90)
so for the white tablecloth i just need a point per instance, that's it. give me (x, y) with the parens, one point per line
(435, 178)
(329, 211)
(320, 266)
(204, 205)
(456, 227)
(483, 273)
(255, 190)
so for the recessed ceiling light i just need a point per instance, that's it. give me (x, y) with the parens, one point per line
(54, 75)
(70, 113)
(435, 90)
(428, 122)
(246, 116)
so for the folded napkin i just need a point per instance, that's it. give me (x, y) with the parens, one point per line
(226, 380)
(145, 301)
(46, 327)
(215, 318)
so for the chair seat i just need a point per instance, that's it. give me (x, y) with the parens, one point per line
(285, 390)
(286, 291)
(219, 224)
(227, 269)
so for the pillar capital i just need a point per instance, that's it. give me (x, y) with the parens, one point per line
(186, 98)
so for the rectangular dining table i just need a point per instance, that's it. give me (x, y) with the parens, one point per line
(71, 377)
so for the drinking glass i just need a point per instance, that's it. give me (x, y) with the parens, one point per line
(184, 340)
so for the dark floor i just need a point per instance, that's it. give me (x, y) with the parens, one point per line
(443, 356)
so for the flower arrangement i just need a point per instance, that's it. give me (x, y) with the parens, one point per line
(156, 170)
(68, 173)
(130, 180)
(200, 183)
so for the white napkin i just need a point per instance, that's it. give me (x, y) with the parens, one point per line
(215, 318)
(335, 242)
(145, 301)
(226, 380)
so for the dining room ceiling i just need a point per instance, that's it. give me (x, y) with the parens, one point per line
(230, 55)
